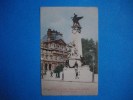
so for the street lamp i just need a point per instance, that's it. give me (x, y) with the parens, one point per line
(93, 64)
(93, 54)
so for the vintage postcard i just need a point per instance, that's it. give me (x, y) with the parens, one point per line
(69, 50)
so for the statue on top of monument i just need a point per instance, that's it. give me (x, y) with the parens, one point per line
(75, 20)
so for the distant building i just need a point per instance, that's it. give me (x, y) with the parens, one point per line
(53, 50)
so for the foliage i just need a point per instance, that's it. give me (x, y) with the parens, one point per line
(59, 68)
(89, 47)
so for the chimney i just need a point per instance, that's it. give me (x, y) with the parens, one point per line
(49, 34)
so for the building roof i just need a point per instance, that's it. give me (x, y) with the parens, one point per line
(54, 36)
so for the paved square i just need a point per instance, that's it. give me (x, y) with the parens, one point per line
(59, 87)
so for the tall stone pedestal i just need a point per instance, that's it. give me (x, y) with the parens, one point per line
(76, 50)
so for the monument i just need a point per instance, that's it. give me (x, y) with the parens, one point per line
(75, 54)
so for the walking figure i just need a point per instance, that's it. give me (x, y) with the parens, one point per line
(62, 75)
(76, 72)
(51, 73)
(77, 75)
(45, 72)
(76, 64)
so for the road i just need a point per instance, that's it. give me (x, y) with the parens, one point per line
(50, 87)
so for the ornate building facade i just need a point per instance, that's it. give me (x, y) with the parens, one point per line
(53, 50)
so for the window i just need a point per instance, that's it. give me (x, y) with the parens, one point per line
(49, 66)
(45, 66)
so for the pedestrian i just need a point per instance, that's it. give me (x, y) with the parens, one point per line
(76, 71)
(76, 64)
(45, 72)
(62, 75)
(76, 75)
(51, 73)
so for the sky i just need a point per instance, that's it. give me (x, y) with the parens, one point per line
(59, 18)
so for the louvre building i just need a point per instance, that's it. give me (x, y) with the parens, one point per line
(53, 50)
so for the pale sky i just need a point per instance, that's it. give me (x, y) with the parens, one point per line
(59, 18)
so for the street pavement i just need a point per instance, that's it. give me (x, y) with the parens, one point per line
(69, 84)
(54, 88)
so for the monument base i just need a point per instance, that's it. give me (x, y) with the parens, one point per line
(73, 61)
(84, 74)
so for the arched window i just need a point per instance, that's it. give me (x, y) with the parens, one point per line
(46, 67)
(49, 66)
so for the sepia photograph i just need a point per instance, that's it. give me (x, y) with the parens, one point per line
(69, 51)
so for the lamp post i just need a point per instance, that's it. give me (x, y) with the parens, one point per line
(92, 53)
(93, 65)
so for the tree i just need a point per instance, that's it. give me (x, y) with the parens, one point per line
(89, 46)
(58, 69)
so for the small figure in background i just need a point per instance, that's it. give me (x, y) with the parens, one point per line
(77, 74)
(76, 64)
(45, 72)
(51, 73)
(62, 75)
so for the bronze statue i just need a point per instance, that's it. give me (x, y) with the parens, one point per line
(76, 20)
